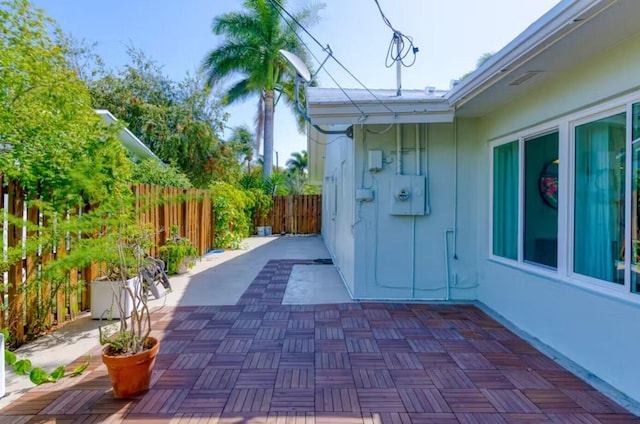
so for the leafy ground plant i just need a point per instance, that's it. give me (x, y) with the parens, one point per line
(38, 375)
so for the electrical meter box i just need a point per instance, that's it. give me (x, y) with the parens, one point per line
(375, 160)
(408, 194)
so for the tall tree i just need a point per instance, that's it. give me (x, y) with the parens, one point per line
(249, 56)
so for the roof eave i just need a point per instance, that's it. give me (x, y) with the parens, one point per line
(551, 27)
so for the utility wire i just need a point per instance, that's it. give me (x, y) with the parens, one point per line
(404, 45)
(328, 51)
(279, 6)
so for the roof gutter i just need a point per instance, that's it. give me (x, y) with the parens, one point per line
(564, 18)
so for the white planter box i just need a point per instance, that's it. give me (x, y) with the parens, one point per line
(104, 295)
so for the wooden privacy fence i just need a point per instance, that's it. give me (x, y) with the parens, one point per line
(300, 214)
(29, 305)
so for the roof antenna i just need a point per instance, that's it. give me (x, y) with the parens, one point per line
(303, 75)
(398, 42)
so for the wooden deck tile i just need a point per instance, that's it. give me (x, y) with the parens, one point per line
(380, 400)
(337, 400)
(209, 402)
(292, 400)
(211, 379)
(295, 378)
(468, 401)
(298, 345)
(190, 361)
(161, 401)
(480, 418)
(248, 400)
(332, 360)
(256, 379)
(402, 361)
(553, 401)
(510, 401)
(177, 378)
(334, 378)
(423, 400)
(373, 379)
(471, 361)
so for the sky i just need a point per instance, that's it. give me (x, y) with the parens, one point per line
(450, 34)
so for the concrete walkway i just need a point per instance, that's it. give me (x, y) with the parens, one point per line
(217, 279)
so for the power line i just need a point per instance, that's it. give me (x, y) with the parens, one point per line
(398, 40)
(275, 3)
(317, 60)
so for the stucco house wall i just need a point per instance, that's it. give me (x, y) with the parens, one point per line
(402, 257)
(594, 328)
(577, 64)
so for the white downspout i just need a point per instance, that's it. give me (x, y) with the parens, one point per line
(413, 247)
(455, 187)
(446, 261)
(398, 150)
(417, 149)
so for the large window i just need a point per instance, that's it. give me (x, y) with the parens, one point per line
(635, 200)
(541, 186)
(567, 201)
(599, 199)
(505, 200)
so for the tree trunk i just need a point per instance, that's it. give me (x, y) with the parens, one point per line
(267, 167)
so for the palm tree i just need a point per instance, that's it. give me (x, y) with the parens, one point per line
(244, 143)
(250, 56)
(298, 162)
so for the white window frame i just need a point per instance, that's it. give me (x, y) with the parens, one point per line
(565, 125)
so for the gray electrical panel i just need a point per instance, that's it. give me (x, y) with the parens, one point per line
(408, 194)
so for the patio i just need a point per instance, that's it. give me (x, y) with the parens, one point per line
(262, 361)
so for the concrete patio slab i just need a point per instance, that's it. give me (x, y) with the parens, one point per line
(314, 285)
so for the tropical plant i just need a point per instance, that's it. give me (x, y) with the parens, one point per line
(150, 171)
(276, 184)
(250, 56)
(296, 182)
(176, 250)
(299, 162)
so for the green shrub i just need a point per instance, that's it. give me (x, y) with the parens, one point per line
(175, 250)
(233, 214)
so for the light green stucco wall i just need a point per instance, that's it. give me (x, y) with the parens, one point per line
(596, 331)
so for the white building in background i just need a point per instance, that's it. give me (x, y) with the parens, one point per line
(518, 188)
(138, 150)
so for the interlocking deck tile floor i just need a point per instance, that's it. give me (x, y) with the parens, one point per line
(263, 362)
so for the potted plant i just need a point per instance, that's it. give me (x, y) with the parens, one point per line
(178, 253)
(129, 353)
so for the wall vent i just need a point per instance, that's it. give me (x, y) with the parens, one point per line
(525, 77)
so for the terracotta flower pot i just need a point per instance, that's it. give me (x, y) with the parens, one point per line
(130, 375)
